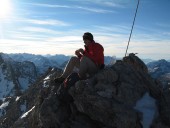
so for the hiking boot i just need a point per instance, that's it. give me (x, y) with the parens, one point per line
(59, 80)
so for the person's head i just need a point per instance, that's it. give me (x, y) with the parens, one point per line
(88, 38)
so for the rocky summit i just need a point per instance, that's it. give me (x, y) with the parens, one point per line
(122, 95)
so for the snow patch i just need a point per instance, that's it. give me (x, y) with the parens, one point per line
(25, 114)
(47, 78)
(17, 98)
(53, 69)
(147, 106)
(2, 108)
(4, 105)
(155, 68)
(46, 81)
(45, 84)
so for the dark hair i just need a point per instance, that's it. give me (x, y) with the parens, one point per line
(88, 35)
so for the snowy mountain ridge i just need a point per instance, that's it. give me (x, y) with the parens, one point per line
(160, 70)
(161, 66)
(15, 77)
(42, 63)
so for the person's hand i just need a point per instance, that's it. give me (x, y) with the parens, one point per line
(81, 50)
(77, 52)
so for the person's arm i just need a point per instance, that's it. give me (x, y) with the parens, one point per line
(79, 53)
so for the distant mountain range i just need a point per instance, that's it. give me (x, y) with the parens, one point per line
(42, 63)
(160, 70)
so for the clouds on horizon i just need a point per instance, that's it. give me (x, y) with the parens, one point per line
(41, 34)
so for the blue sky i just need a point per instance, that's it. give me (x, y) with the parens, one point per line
(57, 26)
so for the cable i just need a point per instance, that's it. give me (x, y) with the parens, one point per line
(132, 27)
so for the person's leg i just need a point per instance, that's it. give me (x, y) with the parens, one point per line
(87, 68)
(73, 62)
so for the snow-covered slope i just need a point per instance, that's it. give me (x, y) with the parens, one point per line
(160, 70)
(15, 77)
(147, 106)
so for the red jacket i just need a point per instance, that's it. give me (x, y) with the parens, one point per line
(95, 52)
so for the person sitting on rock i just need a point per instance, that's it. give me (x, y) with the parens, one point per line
(87, 61)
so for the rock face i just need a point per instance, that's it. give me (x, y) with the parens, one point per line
(107, 100)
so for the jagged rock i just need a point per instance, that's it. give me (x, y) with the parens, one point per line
(108, 111)
(163, 119)
(137, 63)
